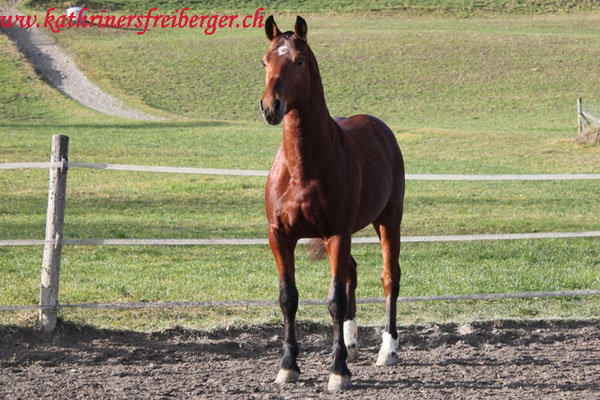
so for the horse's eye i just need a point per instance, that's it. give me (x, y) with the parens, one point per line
(263, 63)
(300, 61)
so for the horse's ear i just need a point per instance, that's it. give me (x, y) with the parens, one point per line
(271, 28)
(300, 29)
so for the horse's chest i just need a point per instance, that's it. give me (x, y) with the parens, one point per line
(304, 212)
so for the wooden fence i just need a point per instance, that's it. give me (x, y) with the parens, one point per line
(54, 239)
(587, 115)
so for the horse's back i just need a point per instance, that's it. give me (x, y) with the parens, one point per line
(370, 132)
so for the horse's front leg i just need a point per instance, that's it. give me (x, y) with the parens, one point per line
(338, 249)
(283, 250)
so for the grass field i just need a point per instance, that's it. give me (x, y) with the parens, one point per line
(517, 73)
(466, 7)
(492, 93)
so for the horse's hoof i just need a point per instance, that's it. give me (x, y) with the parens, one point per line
(287, 376)
(387, 352)
(387, 359)
(352, 354)
(339, 382)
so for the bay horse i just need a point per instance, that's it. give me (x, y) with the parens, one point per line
(330, 178)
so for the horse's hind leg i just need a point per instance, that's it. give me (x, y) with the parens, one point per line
(283, 250)
(350, 329)
(390, 246)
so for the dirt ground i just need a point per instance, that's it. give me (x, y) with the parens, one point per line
(503, 359)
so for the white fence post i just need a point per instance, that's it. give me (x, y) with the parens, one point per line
(579, 116)
(57, 188)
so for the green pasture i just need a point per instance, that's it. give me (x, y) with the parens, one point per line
(111, 204)
(512, 74)
(124, 274)
(465, 90)
(453, 7)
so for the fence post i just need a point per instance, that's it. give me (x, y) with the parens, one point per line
(57, 188)
(579, 119)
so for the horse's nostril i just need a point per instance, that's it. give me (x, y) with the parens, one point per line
(276, 104)
(262, 107)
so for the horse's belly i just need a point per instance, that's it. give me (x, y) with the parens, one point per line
(370, 210)
(375, 195)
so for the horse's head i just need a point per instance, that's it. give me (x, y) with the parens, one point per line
(287, 65)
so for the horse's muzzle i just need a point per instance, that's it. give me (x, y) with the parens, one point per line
(272, 115)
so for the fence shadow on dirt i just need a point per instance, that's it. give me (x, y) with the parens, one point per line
(85, 345)
(501, 359)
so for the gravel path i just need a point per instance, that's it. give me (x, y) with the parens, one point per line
(50, 61)
(501, 360)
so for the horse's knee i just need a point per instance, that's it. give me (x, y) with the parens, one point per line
(288, 297)
(351, 283)
(391, 280)
(337, 310)
(336, 301)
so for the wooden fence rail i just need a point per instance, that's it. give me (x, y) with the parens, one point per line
(585, 117)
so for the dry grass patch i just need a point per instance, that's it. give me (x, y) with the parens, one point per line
(589, 137)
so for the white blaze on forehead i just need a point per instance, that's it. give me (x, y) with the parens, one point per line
(283, 50)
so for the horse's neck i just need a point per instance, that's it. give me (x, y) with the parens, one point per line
(309, 139)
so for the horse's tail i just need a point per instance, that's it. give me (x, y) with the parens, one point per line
(316, 249)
